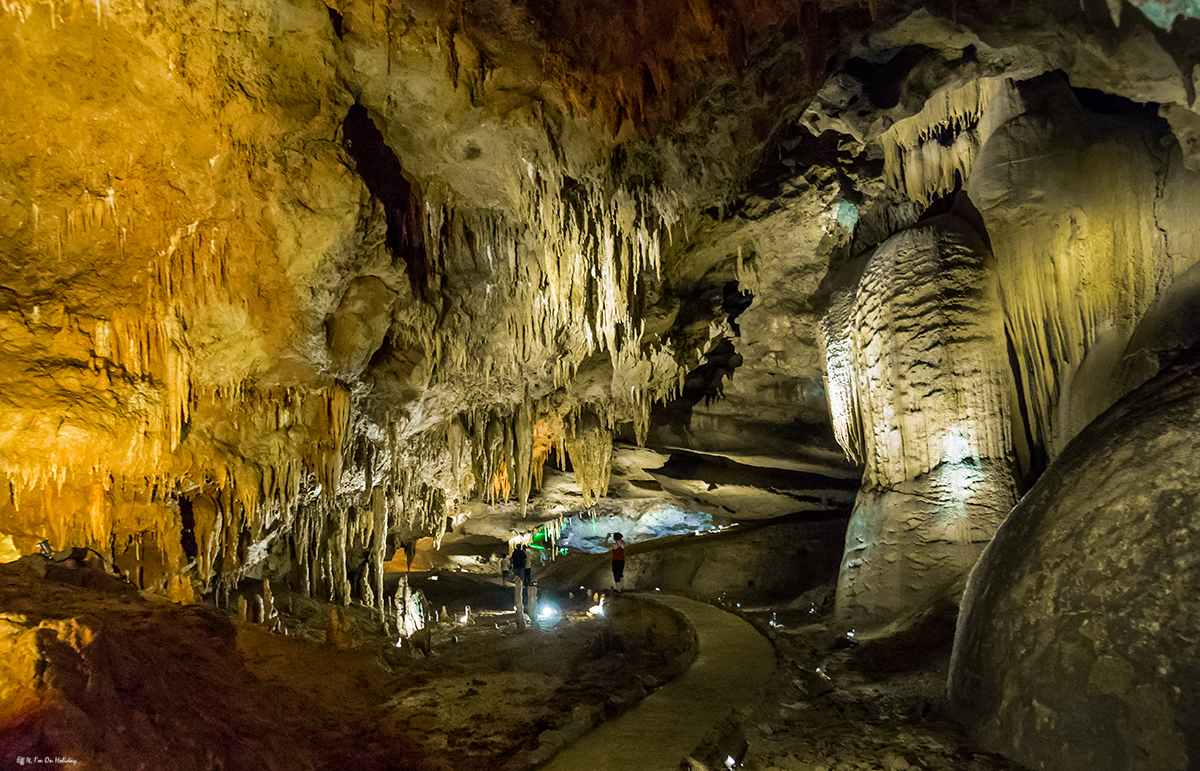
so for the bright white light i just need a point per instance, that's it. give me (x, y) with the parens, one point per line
(956, 446)
(960, 474)
(657, 521)
(547, 611)
(433, 578)
(597, 609)
(729, 761)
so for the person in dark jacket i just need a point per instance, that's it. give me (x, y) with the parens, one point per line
(520, 569)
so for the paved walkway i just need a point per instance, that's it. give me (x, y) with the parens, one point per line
(732, 662)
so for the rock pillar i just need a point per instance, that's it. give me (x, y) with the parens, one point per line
(919, 385)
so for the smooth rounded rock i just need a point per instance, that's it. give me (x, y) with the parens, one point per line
(1078, 645)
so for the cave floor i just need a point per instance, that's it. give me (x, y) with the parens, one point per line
(732, 662)
(835, 705)
(100, 673)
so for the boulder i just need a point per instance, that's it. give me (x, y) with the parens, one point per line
(1079, 636)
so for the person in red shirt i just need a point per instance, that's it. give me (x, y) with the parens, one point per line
(618, 557)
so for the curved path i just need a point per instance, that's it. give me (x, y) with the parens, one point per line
(732, 662)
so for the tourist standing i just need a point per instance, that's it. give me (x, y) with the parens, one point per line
(618, 557)
(520, 570)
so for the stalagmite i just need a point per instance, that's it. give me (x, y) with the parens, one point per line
(919, 384)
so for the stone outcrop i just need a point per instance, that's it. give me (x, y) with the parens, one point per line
(1077, 642)
(1083, 242)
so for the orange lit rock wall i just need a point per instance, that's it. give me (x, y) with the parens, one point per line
(164, 281)
(216, 329)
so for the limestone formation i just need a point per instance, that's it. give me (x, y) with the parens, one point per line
(293, 290)
(919, 387)
(1084, 241)
(1077, 643)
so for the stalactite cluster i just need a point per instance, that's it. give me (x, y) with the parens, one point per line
(932, 152)
(233, 357)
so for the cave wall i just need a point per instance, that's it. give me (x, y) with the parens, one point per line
(286, 283)
(162, 278)
(205, 299)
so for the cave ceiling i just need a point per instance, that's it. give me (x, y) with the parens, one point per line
(294, 283)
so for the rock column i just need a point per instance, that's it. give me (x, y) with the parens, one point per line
(919, 385)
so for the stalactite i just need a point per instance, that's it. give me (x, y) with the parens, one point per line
(523, 452)
(589, 445)
(547, 435)
(836, 339)
(562, 281)
(927, 154)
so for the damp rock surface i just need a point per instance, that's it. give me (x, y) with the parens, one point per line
(838, 705)
(1078, 637)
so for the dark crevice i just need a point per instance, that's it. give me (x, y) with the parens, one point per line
(705, 382)
(383, 175)
(335, 18)
(958, 203)
(1112, 104)
(1032, 463)
(946, 134)
(883, 83)
(793, 154)
(719, 470)
(188, 529)
(735, 302)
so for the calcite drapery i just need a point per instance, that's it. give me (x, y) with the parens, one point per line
(919, 386)
(1074, 204)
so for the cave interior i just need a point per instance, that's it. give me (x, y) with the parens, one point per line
(872, 323)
